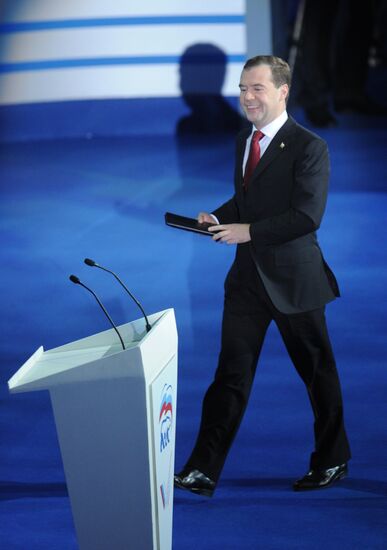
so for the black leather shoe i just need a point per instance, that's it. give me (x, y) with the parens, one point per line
(195, 481)
(319, 479)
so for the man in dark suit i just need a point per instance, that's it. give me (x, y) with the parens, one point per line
(279, 273)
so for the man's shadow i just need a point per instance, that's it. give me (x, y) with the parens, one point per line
(205, 144)
(202, 73)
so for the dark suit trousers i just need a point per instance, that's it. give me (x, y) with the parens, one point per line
(248, 312)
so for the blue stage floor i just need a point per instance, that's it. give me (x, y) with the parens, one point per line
(62, 201)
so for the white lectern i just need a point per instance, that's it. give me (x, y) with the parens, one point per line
(115, 413)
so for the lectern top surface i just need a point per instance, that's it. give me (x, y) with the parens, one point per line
(52, 362)
(86, 359)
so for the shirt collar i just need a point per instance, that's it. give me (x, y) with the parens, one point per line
(272, 128)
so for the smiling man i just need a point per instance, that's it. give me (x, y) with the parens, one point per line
(279, 274)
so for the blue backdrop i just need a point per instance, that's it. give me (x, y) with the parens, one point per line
(93, 179)
(104, 198)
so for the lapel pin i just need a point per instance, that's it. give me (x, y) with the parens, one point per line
(282, 145)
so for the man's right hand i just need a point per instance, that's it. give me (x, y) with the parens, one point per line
(205, 217)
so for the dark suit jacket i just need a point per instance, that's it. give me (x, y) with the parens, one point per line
(284, 204)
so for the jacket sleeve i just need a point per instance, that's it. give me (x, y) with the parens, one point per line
(228, 212)
(309, 195)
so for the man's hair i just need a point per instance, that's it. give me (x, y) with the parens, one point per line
(280, 70)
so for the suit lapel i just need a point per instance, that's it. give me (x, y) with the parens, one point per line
(277, 147)
(241, 144)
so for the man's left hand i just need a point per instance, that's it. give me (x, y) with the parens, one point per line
(233, 233)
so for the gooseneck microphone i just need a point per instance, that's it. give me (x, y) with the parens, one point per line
(74, 279)
(92, 263)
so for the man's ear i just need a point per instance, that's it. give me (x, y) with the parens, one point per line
(285, 91)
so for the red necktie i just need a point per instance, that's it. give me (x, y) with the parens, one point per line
(254, 157)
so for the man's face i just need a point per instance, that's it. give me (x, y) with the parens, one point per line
(261, 101)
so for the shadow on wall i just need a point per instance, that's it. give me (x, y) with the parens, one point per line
(202, 72)
(205, 143)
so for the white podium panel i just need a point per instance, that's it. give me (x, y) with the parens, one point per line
(115, 413)
(163, 396)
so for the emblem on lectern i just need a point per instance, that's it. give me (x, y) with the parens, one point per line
(165, 422)
(165, 418)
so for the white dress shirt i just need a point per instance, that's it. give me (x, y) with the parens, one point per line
(270, 131)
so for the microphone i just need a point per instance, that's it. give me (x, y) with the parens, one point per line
(74, 279)
(92, 263)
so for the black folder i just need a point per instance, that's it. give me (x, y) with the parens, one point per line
(188, 224)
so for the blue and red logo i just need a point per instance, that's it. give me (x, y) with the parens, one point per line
(166, 448)
(165, 417)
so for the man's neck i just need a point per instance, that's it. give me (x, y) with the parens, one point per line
(273, 125)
